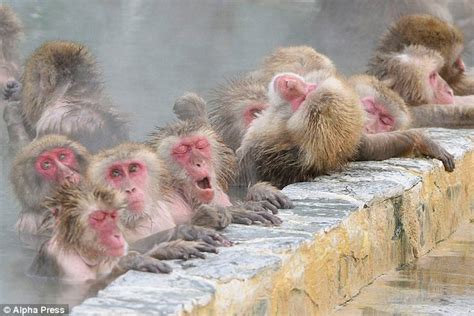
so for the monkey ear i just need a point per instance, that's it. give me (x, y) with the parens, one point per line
(368, 103)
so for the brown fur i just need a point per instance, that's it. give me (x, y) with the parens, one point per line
(66, 74)
(11, 29)
(224, 165)
(322, 138)
(365, 85)
(227, 106)
(28, 186)
(433, 33)
(296, 59)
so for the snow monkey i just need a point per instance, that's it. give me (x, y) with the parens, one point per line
(151, 216)
(10, 31)
(38, 170)
(62, 93)
(413, 73)
(87, 241)
(432, 33)
(315, 125)
(200, 168)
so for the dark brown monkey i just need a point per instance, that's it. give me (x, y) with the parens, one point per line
(87, 241)
(413, 73)
(38, 170)
(315, 125)
(200, 167)
(432, 33)
(135, 170)
(62, 93)
(385, 110)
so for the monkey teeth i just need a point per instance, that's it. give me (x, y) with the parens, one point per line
(204, 183)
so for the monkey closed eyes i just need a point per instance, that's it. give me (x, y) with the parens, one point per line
(87, 242)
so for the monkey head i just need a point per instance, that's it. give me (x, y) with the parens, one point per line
(45, 164)
(385, 110)
(414, 74)
(87, 220)
(133, 169)
(198, 162)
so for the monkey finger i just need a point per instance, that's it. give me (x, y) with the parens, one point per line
(275, 220)
(259, 217)
(198, 254)
(241, 220)
(204, 247)
(163, 267)
(210, 240)
(269, 206)
(285, 201)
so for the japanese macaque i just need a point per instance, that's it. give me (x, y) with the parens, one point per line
(135, 170)
(296, 59)
(385, 110)
(315, 125)
(87, 243)
(10, 31)
(200, 166)
(38, 170)
(432, 33)
(413, 73)
(62, 93)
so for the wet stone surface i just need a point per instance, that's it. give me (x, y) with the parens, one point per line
(319, 206)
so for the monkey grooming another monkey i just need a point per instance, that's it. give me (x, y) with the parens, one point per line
(62, 93)
(432, 33)
(200, 167)
(314, 126)
(87, 242)
(135, 170)
(413, 73)
(38, 170)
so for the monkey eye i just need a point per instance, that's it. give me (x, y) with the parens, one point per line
(115, 173)
(433, 76)
(46, 164)
(98, 216)
(62, 156)
(133, 168)
(386, 120)
(201, 144)
(181, 149)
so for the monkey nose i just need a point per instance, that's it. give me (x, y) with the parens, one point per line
(131, 190)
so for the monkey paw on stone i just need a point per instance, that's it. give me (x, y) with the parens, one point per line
(138, 262)
(181, 249)
(245, 217)
(211, 216)
(196, 233)
(271, 198)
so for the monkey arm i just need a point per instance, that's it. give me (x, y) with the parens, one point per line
(383, 146)
(212, 217)
(181, 249)
(458, 115)
(17, 133)
(465, 86)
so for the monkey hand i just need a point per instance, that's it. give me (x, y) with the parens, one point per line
(246, 217)
(212, 217)
(11, 91)
(270, 197)
(138, 262)
(197, 233)
(181, 249)
(429, 148)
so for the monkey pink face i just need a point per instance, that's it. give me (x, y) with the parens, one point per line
(442, 92)
(293, 90)
(130, 177)
(58, 165)
(194, 155)
(378, 118)
(104, 223)
(252, 110)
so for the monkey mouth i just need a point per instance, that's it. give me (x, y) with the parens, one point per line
(204, 184)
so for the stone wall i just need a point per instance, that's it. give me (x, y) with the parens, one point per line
(347, 229)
